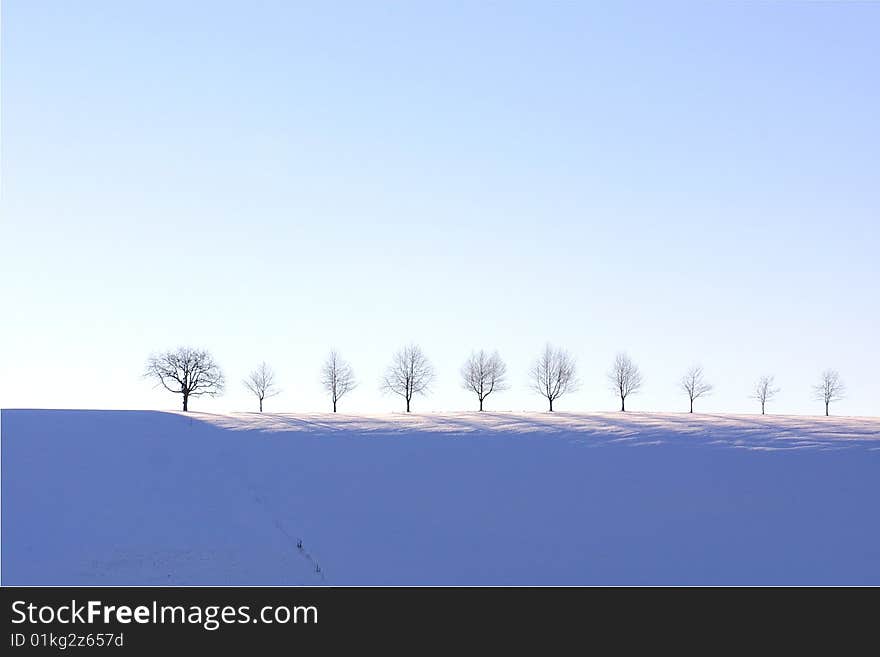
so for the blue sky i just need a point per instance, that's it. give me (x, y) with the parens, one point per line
(689, 182)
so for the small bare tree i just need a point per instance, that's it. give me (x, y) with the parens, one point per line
(483, 374)
(625, 378)
(830, 388)
(261, 382)
(764, 391)
(337, 377)
(695, 385)
(186, 371)
(409, 374)
(553, 374)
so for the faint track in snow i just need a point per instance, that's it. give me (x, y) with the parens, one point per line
(296, 543)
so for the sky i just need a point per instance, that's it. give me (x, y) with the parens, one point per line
(692, 183)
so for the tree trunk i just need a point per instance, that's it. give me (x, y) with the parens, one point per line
(692, 406)
(334, 405)
(407, 405)
(826, 409)
(481, 405)
(185, 402)
(623, 404)
(551, 405)
(261, 405)
(762, 408)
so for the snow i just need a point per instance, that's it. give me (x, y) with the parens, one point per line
(147, 497)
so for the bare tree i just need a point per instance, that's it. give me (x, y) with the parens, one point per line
(483, 374)
(695, 385)
(337, 377)
(186, 371)
(764, 391)
(553, 374)
(409, 374)
(830, 388)
(625, 378)
(261, 382)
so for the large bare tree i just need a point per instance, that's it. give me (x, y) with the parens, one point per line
(553, 374)
(764, 391)
(830, 388)
(261, 382)
(337, 377)
(695, 385)
(186, 371)
(409, 374)
(483, 374)
(625, 378)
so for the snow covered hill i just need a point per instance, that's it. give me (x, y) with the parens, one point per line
(142, 497)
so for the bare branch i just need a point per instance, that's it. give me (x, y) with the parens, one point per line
(553, 374)
(186, 371)
(829, 389)
(764, 391)
(261, 382)
(695, 385)
(409, 374)
(624, 378)
(337, 377)
(483, 374)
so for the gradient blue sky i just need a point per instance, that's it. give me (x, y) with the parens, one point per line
(692, 183)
